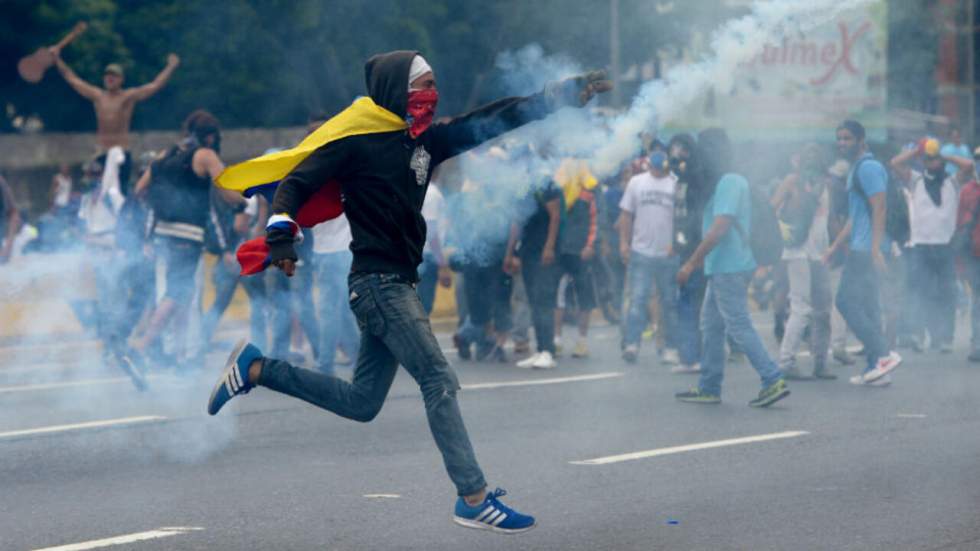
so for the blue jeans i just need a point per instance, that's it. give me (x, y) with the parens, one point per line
(337, 324)
(394, 330)
(857, 300)
(688, 335)
(726, 311)
(428, 278)
(290, 295)
(644, 272)
(226, 280)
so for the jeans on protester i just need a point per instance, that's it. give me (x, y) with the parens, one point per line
(394, 330)
(726, 312)
(428, 280)
(520, 311)
(688, 334)
(337, 324)
(109, 299)
(645, 272)
(291, 295)
(488, 291)
(932, 279)
(225, 279)
(858, 302)
(809, 305)
(541, 283)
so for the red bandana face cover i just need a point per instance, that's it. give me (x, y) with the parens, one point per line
(421, 110)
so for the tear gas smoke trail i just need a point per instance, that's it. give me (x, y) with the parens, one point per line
(503, 182)
(737, 42)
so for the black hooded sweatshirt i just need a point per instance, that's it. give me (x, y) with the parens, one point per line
(384, 176)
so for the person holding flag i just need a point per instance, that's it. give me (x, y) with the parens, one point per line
(373, 161)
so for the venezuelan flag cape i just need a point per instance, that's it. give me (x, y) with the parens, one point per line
(263, 174)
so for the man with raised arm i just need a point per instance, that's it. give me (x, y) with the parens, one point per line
(380, 153)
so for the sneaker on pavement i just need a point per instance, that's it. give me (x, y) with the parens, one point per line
(234, 378)
(492, 515)
(670, 357)
(859, 380)
(630, 353)
(528, 362)
(695, 396)
(545, 361)
(581, 349)
(886, 365)
(683, 369)
(770, 395)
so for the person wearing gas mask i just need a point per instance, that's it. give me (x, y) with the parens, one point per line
(378, 155)
(933, 198)
(688, 209)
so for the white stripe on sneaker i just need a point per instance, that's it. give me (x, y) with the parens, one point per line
(489, 520)
(238, 376)
(233, 383)
(486, 513)
(499, 519)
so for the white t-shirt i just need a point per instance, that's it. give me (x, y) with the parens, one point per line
(332, 236)
(651, 202)
(434, 213)
(931, 224)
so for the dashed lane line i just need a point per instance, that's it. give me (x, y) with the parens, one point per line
(552, 381)
(690, 447)
(165, 532)
(82, 426)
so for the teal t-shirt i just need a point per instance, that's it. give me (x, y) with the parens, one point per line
(732, 254)
(874, 180)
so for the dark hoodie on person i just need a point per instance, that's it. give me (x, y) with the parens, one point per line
(384, 176)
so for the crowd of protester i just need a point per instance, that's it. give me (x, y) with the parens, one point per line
(885, 249)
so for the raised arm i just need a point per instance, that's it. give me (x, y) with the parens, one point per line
(964, 172)
(899, 163)
(83, 88)
(140, 93)
(462, 133)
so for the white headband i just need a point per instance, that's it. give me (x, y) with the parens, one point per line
(419, 68)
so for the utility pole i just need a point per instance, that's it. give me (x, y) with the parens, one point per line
(614, 51)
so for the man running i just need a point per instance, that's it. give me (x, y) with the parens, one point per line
(383, 172)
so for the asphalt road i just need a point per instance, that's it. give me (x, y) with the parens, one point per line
(87, 462)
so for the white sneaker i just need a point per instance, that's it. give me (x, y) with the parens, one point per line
(544, 361)
(885, 366)
(528, 362)
(670, 357)
(684, 369)
(882, 381)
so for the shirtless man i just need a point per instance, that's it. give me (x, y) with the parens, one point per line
(114, 104)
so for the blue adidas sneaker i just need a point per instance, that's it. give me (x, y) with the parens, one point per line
(234, 378)
(492, 515)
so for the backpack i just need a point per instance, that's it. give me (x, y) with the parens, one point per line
(896, 208)
(765, 238)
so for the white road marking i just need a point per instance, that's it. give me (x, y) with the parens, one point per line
(64, 384)
(82, 426)
(553, 381)
(382, 496)
(128, 538)
(912, 415)
(690, 447)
